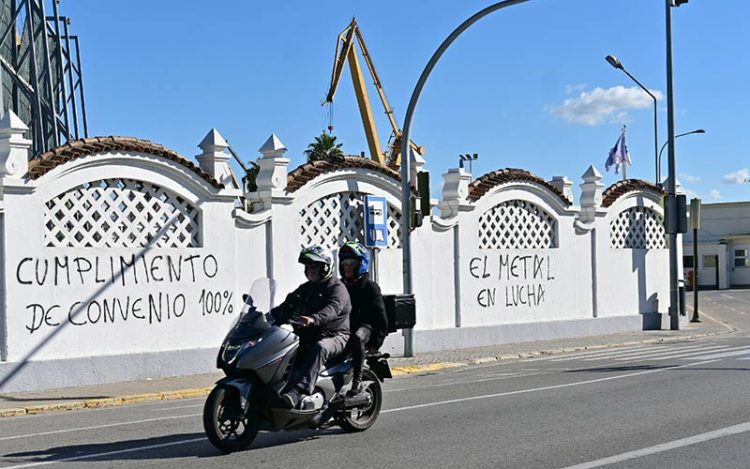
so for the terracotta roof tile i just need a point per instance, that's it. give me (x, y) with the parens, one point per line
(483, 184)
(90, 146)
(308, 171)
(620, 188)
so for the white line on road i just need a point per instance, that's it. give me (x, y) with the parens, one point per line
(671, 351)
(165, 409)
(543, 388)
(480, 380)
(722, 355)
(691, 440)
(109, 425)
(108, 453)
(607, 353)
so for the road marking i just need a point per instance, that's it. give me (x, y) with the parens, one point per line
(109, 425)
(720, 355)
(605, 352)
(108, 453)
(165, 409)
(480, 380)
(672, 351)
(677, 354)
(543, 388)
(691, 440)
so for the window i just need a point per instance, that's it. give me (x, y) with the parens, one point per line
(687, 262)
(740, 258)
(709, 261)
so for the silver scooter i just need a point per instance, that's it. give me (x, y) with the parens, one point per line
(257, 357)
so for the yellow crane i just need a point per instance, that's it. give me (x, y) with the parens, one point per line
(345, 51)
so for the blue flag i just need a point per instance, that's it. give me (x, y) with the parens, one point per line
(618, 154)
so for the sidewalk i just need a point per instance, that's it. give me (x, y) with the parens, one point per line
(106, 395)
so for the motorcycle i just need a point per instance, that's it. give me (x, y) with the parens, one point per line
(257, 357)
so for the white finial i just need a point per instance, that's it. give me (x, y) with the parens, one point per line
(14, 149)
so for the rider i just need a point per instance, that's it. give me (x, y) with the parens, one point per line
(324, 306)
(369, 325)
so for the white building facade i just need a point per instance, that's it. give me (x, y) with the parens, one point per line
(723, 247)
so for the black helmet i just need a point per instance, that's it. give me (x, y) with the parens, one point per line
(317, 255)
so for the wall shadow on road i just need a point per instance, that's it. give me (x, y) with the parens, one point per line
(174, 447)
(613, 369)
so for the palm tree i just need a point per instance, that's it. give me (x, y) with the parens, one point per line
(324, 148)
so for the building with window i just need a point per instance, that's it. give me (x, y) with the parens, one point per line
(723, 247)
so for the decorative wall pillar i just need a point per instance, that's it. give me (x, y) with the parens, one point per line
(455, 192)
(215, 160)
(14, 149)
(591, 195)
(564, 185)
(272, 175)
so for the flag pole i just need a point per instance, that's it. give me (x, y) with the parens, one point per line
(625, 160)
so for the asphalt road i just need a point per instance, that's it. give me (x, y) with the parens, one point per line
(677, 405)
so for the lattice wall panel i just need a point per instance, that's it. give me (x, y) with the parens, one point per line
(331, 220)
(517, 224)
(120, 213)
(637, 228)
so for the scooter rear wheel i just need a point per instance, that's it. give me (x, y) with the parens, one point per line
(359, 420)
(225, 426)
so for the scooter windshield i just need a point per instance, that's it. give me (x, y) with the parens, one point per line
(252, 320)
(251, 324)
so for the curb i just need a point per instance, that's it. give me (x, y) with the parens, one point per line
(401, 370)
(106, 402)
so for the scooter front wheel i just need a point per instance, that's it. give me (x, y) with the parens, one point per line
(226, 426)
(360, 419)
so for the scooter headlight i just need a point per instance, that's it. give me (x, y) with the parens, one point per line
(231, 352)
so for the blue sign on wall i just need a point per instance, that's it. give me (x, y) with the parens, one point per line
(376, 221)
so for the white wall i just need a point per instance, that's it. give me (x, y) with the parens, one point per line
(58, 312)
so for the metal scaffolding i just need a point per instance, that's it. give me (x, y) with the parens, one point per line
(42, 79)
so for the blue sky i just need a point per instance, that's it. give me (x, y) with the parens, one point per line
(527, 87)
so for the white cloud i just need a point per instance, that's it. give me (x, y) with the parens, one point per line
(601, 106)
(570, 89)
(690, 194)
(688, 178)
(714, 194)
(738, 177)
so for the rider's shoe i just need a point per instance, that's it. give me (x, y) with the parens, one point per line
(291, 398)
(357, 387)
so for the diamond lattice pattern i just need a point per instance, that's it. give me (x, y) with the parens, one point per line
(517, 224)
(637, 228)
(336, 218)
(120, 213)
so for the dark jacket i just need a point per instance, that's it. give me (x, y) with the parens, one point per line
(326, 302)
(368, 309)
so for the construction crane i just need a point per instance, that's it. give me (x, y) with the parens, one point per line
(345, 51)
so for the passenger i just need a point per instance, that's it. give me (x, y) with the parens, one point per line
(323, 306)
(369, 325)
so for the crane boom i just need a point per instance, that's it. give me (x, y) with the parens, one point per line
(345, 50)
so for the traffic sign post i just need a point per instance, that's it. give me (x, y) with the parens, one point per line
(376, 228)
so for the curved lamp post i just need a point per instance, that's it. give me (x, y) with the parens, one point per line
(658, 164)
(406, 151)
(615, 62)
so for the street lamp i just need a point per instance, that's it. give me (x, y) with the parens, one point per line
(467, 157)
(615, 62)
(406, 150)
(671, 200)
(658, 164)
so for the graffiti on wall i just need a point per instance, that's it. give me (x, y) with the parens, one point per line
(119, 282)
(512, 280)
